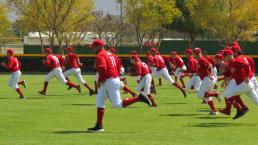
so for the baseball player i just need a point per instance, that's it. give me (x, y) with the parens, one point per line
(239, 84)
(144, 71)
(179, 66)
(75, 70)
(194, 79)
(108, 71)
(53, 63)
(162, 70)
(13, 65)
(205, 72)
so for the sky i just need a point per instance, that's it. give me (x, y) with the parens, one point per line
(108, 6)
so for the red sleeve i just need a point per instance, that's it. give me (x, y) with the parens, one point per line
(190, 66)
(245, 66)
(47, 61)
(10, 64)
(155, 62)
(101, 66)
(251, 63)
(138, 68)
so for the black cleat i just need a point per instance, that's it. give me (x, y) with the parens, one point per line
(92, 92)
(144, 99)
(42, 93)
(96, 129)
(184, 93)
(153, 89)
(69, 88)
(240, 114)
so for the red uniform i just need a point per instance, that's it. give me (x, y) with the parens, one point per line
(179, 63)
(106, 65)
(159, 62)
(239, 70)
(251, 63)
(73, 60)
(226, 72)
(61, 59)
(118, 62)
(141, 68)
(52, 62)
(192, 65)
(13, 64)
(211, 60)
(203, 67)
(150, 60)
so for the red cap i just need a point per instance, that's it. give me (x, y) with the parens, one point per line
(228, 47)
(134, 57)
(235, 43)
(134, 52)
(69, 48)
(227, 52)
(97, 43)
(236, 48)
(222, 51)
(112, 50)
(10, 51)
(189, 51)
(218, 56)
(173, 53)
(153, 49)
(197, 50)
(48, 50)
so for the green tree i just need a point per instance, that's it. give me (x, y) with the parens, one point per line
(5, 24)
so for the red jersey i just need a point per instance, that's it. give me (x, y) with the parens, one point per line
(141, 68)
(226, 70)
(13, 64)
(150, 60)
(251, 63)
(52, 62)
(119, 63)
(192, 65)
(61, 59)
(106, 65)
(203, 67)
(73, 60)
(239, 70)
(159, 62)
(211, 60)
(179, 63)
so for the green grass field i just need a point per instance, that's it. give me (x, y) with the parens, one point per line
(62, 117)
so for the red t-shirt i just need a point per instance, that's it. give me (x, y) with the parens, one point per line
(73, 60)
(192, 65)
(150, 60)
(251, 63)
(159, 62)
(13, 64)
(141, 68)
(61, 59)
(178, 62)
(203, 67)
(239, 70)
(211, 60)
(52, 62)
(106, 65)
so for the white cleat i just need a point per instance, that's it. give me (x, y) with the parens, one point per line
(214, 113)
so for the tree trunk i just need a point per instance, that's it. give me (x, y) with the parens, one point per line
(192, 39)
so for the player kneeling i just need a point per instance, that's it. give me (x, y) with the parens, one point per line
(53, 63)
(108, 71)
(13, 66)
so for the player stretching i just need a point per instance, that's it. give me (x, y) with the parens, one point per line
(75, 64)
(194, 79)
(108, 71)
(143, 70)
(206, 74)
(13, 66)
(163, 71)
(53, 63)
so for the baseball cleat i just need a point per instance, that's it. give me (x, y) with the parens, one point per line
(96, 129)
(22, 97)
(24, 84)
(184, 93)
(144, 99)
(69, 88)
(91, 92)
(214, 113)
(240, 114)
(42, 92)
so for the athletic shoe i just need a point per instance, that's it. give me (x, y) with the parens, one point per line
(91, 92)
(42, 92)
(24, 84)
(22, 97)
(214, 113)
(144, 99)
(96, 129)
(78, 88)
(225, 111)
(240, 114)
(69, 88)
(184, 93)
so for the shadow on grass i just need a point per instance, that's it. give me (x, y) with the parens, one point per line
(210, 125)
(81, 104)
(175, 103)
(203, 110)
(85, 132)
(207, 117)
(180, 115)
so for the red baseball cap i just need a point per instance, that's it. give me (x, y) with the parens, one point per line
(227, 52)
(69, 48)
(236, 48)
(134, 57)
(153, 49)
(10, 51)
(112, 50)
(197, 50)
(97, 43)
(48, 50)
(219, 56)
(134, 52)
(221, 51)
(235, 43)
(189, 51)
(173, 53)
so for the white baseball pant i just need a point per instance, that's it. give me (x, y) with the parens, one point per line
(145, 84)
(14, 79)
(254, 80)
(194, 81)
(206, 86)
(57, 72)
(75, 72)
(180, 71)
(164, 73)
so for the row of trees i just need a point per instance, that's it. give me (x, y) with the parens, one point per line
(227, 20)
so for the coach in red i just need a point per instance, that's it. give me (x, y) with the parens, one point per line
(108, 70)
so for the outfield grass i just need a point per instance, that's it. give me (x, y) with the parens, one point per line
(61, 118)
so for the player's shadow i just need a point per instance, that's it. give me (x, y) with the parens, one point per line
(203, 110)
(215, 118)
(175, 103)
(214, 125)
(86, 132)
(81, 104)
(179, 115)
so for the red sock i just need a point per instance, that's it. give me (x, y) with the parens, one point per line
(67, 79)
(235, 103)
(240, 101)
(18, 90)
(45, 86)
(70, 84)
(211, 94)
(87, 86)
(178, 86)
(182, 82)
(153, 102)
(20, 82)
(100, 114)
(126, 89)
(212, 106)
(228, 104)
(129, 101)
